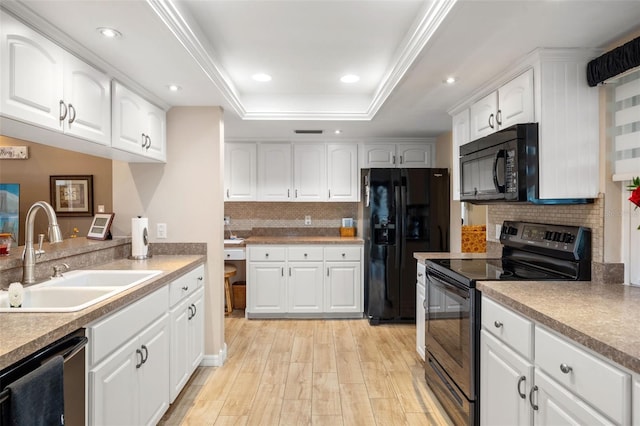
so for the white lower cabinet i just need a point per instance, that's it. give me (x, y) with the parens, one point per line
(420, 319)
(187, 328)
(131, 384)
(636, 399)
(140, 357)
(542, 378)
(306, 280)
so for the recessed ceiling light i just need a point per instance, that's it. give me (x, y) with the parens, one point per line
(174, 87)
(349, 78)
(109, 32)
(337, 131)
(261, 77)
(449, 80)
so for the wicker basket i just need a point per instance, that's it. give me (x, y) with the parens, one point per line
(347, 232)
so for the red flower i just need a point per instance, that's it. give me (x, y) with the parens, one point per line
(635, 197)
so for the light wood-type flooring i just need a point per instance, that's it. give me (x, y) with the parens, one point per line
(311, 372)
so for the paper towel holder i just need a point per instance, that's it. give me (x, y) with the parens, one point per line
(100, 227)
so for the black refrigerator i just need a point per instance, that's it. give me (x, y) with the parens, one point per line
(404, 211)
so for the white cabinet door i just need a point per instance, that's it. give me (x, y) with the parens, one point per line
(87, 94)
(414, 155)
(240, 167)
(274, 172)
(505, 380)
(342, 172)
(636, 400)
(483, 116)
(420, 318)
(379, 155)
(309, 172)
(460, 137)
(515, 101)
(558, 406)
(305, 287)
(138, 126)
(155, 123)
(178, 371)
(196, 330)
(342, 287)
(267, 288)
(153, 378)
(32, 70)
(128, 112)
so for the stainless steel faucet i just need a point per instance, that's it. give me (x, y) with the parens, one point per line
(29, 254)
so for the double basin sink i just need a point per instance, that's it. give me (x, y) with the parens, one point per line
(76, 290)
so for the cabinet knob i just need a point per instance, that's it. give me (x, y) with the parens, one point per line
(419, 274)
(200, 278)
(497, 324)
(305, 255)
(566, 369)
(266, 255)
(344, 255)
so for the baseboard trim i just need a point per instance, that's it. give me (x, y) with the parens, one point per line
(215, 360)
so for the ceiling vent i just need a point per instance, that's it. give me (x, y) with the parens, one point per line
(309, 132)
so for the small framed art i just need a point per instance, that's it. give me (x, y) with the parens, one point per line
(99, 229)
(72, 195)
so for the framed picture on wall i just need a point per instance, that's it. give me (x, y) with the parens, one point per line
(10, 210)
(72, 195)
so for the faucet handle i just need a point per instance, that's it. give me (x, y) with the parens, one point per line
(40, 241)
(57, 270)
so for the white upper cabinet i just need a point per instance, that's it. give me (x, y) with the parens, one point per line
(139, 127)
(274, 172)
(240, 167)
(309, 172)
(400, 155)
(512, 103)
(46, 86)
(342, 172)
(460, 137)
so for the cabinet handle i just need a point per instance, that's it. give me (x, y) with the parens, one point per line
(191, 312)
(499, 117)
(329, 193)
(424, 304)
(282, 271)
(566, 369)
(419, 274)
(144, 140)
(138, 351)
(521, 380)
(185, 287)
(200, 278)
(195, 310)
(401, 159)
(497, 324)
(63, 115)
(72, 114)
(227, 192)
(393, 159)
(533, 405)
(288, 193)
(148, 145)
(146, 354)
(491, 121)
(296, 193)
(289, 271)
(327, 271)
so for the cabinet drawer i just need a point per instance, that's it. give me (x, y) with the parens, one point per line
(302, 253)
(338, 253)
(267, 253)
(512, 328)
(234, 254)
(112, 331)
(183, 286)
(596, 381)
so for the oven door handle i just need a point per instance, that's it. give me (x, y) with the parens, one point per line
(447, 286)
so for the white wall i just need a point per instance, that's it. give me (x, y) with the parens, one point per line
(186, 193)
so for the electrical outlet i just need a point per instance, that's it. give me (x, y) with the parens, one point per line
(227, 220)
(161, 230)
(100, 208)
(307, 220)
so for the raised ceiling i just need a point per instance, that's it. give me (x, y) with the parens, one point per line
(402, 50)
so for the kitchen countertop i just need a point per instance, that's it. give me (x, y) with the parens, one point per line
(303, 240)
(601, 317)
(22, 333)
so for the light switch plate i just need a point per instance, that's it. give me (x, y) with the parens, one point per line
(161, 230)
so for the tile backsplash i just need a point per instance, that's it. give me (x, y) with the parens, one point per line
(246, 216)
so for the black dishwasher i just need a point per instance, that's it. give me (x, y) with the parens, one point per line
(71, 348)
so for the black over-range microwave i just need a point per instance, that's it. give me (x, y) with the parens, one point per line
(501, 167)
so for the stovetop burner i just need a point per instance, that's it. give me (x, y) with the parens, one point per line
(530, 252)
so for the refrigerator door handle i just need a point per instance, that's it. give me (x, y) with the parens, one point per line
(401, 215)
(397, 195)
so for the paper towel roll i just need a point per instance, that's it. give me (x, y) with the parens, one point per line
(139, 237)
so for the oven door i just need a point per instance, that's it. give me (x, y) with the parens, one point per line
(450, 330)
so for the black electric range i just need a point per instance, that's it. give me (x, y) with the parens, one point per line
(530, 251)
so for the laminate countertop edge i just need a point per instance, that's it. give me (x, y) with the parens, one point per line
(23, 333)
